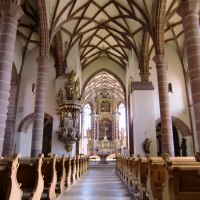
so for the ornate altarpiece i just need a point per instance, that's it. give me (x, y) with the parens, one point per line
(105, 131)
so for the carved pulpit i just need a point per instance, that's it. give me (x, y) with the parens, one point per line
(69, 103)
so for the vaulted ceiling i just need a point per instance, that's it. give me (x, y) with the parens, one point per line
(102, 28)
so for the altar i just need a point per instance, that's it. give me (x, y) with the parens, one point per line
(105, 139)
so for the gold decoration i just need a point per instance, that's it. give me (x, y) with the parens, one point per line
(69, 103)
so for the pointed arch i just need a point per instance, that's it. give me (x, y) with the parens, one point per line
(180, 125)
(25, 123)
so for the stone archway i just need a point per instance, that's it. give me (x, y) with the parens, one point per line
(180, 125)
(177, 125)
(25, 123)
(47, 131)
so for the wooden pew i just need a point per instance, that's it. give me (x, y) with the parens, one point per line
(73, 167)
(77, 175)
(134, 174)
(123, 167)
(142, 177)
(183, 178)
(68, 171)
(85, 164)
(118, 164)
(9, 187)
(29, 175)
(61, 174)
(126, 169)
(50, 177)
(81, 166)
(156, 179)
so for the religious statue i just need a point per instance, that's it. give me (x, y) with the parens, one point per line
(72, 87)
(146, 145)
(183, 147)
(197, 156)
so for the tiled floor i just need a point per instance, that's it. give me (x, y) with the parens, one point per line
(100, 183)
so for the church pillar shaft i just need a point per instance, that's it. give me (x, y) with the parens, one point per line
(38, 120)
(189, 11)
(11, 118)
(10, 13)
(166, 122)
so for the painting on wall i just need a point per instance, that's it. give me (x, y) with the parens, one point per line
(105, 106)
(105, 129)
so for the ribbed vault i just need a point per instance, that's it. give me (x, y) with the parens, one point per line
(103, 28)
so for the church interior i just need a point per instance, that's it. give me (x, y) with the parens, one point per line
(89, 86)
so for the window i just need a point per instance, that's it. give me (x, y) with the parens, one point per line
(87, 118)
(122, 117)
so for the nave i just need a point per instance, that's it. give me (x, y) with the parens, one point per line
(100, 183)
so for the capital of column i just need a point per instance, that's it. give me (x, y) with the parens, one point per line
(187, 7)
(159, 59)
(42, 60)
(11, 9)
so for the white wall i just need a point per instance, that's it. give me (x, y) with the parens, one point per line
(144, 121)
(23, 145)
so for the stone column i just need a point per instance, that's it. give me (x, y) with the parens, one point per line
(38, 121)
(189, 11)
(166, 121)
(10, 13)
(11, 115)
(116, 125)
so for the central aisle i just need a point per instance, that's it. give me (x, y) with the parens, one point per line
(100, 183)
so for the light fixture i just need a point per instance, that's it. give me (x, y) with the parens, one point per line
(33, 88)
(170, 88)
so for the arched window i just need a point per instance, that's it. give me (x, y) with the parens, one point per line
(122, 117)
(87, 118)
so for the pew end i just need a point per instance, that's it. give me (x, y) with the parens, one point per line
(9, 187)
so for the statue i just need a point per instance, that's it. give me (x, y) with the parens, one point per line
(183, 147)
(197, 156)
(146, 145)
(72, 87)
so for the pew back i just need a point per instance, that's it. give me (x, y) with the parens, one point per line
(9, 187)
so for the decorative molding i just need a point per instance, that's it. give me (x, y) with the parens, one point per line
(137, 85)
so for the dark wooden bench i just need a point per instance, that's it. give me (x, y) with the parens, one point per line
(73, 167)
(156, 179)
(9, 187)
(29, 176)
(68, 170)
(142, 177)
(182, 178)
(77, 173)
(50, 177)
(61, 174)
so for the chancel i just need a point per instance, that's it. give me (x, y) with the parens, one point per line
(103, 92)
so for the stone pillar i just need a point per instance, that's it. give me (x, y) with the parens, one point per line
(116, 125)
(189, 11)
(39, 110)
(166, 121)
(11, 115)
(10, 13)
